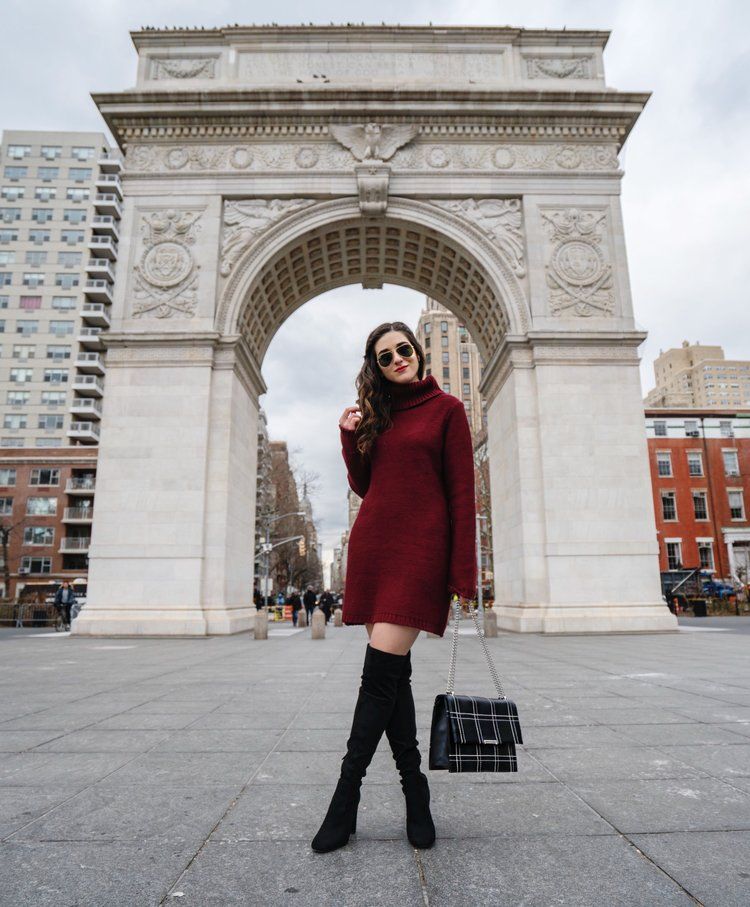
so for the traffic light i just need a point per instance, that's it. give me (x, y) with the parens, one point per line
(301, 547)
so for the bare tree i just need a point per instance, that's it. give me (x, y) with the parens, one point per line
(6, 530)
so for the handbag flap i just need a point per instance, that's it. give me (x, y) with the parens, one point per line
(477, 719)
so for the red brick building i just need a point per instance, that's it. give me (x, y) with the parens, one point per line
(47, 505)
(700, 472)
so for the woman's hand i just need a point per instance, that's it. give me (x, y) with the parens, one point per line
(350, 418)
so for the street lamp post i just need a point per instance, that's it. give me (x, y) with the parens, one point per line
(268, 547)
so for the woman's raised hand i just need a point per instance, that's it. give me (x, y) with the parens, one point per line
(350, 418)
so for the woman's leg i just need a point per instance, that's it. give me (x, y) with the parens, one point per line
(391, 637)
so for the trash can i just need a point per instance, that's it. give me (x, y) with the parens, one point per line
(699, 607)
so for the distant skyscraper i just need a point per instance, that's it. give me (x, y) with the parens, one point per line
(694, 375)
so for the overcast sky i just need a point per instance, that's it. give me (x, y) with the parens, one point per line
(685, 193)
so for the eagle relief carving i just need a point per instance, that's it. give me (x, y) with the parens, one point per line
(371, 141)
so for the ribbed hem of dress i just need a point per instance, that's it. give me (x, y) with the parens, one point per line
(405, 620)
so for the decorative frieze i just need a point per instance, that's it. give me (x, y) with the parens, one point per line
(245, 221)
(183, 68)
(549, 67)
(500, 219)
(166, 275)
(371, 141)
(578, 273)
(420, 155)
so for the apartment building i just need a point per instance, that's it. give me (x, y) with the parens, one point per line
(59, 230)
(694, 375)
(700, 474)
(453, 358)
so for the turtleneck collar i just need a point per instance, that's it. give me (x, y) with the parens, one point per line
(404, 396)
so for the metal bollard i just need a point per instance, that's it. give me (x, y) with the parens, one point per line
(490, 623)
(318, 623)
(302, 618)
(338, 619)
(261, 624)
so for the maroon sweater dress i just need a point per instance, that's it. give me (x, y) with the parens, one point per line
(413, 541)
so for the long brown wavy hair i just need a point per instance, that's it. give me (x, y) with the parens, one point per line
(373, 389)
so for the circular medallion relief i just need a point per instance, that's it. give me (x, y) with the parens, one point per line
(437, 156)
(578, 262)
(306, 157)
(503, 158)
(240, 157)
(176, 158)
(166, 264)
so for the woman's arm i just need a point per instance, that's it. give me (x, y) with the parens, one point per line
(358, 467)
(458, 477)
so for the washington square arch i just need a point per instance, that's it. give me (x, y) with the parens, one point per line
(267, 165)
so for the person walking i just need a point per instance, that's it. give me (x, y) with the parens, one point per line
(296, 603)
(326, 602)
(65, 598)
(409, 455)
(309, 599)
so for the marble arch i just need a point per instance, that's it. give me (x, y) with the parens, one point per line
(265, 165)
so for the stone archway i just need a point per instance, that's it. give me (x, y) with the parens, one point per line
(247, 197)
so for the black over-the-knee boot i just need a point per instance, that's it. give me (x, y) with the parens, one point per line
(377, 694)
(402, 736)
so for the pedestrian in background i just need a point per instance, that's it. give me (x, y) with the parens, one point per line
(64, 599)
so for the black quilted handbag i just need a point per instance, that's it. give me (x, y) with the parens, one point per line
(473, 733)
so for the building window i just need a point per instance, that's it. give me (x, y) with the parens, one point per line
(61, 328)
(446, 358)
(82, 152)
(15, 173)
(33, 278)
(446, 373)
(79, 174)
(36, 564)
(56, 376)
(35, 259)
(43, 476)
(444, 340)
(7, 477)
(14, 421)
(668, 505)
(12, 193)
(30, 302)
(18, 398)
(47, 174)
(4, 300)
(8, 215)
(664, 463)
(706, 554)
(427, 343)
(53, 398)
(6, 278)
(674, 555)
(465, 373)
(67, 281)
(6, 506)
(428, 358)
(74, 215)
(39, 236)
(695, 463)
(443, 327)
(19, 152)
(21, 375)
(736, 504)
(45, 193)
(55, 351)
(447, 387)
(63, 303)
(71, 237)
(41, 215)
(39, 535)
(731, 465)
(691, 429)
(53, 421)
(48, 442)
(700, 507)
(466, 390)
(69, 259)
(725, 428)
(51, 152)
(41, 506)
(427, 327)
(8, 257)
(23, 351)
(26, 326)
(77, 195)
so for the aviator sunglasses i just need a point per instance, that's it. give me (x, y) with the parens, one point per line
(403, 349)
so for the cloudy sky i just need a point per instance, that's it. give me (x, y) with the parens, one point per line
(685, 198)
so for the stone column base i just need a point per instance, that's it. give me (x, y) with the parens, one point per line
(167, 622)
(586, 618)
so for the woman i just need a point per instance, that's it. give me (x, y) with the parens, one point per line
(409, 456)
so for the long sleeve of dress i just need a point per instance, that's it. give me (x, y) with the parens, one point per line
(357, 466)
(458, 476)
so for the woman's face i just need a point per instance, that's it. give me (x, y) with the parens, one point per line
(401, 369)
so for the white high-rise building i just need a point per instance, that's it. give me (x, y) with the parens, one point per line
(59, 230)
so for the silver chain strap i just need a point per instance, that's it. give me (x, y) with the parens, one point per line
(454, 649)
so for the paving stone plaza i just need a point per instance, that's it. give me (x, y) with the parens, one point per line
(177, 771)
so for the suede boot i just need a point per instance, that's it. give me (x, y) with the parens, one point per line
(377, 694)
(402, 736)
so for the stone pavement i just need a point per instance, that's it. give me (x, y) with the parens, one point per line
(195, 772)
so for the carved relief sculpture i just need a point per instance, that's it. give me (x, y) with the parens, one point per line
(244, 221)
(578, 275)
(166, 275)
(500, 219)
(372, 141)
